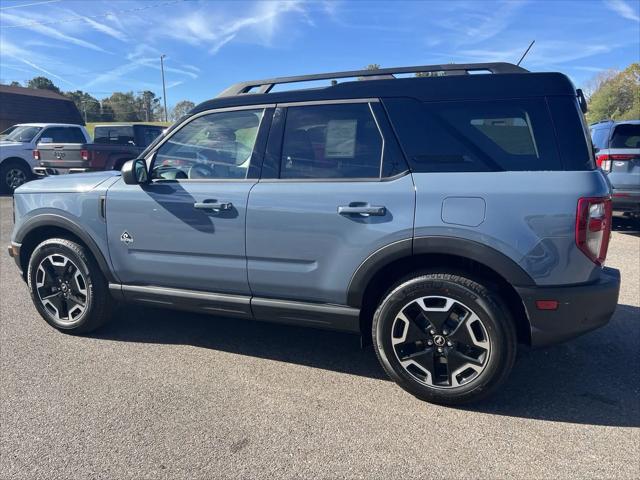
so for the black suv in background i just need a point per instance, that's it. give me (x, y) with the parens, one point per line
(617, 146)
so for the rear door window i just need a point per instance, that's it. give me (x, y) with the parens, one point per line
(148, 135)
(475, 136)
(626, 136)
(331, 141)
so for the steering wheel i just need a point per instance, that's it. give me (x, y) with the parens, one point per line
(201, 170)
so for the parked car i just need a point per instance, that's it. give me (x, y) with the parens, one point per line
(16, 157)
(444, 219)
(617, 147)
(111, 147)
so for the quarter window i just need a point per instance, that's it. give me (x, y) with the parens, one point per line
(475, 136)
(331, 141)
(214, 146)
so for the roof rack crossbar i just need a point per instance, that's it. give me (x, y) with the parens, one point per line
(265, 86)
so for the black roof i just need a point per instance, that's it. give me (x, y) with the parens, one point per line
(438, 88)
(30, 105)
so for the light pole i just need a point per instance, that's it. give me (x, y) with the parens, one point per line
(164, 90)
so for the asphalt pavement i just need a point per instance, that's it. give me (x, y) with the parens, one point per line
(160, 394)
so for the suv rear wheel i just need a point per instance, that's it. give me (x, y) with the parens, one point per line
(444, 338)
(67, 286)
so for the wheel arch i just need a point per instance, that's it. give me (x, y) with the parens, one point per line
(19, 160)
(387, 265)
(41, 227)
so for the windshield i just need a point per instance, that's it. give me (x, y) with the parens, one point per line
(22, 134)
(7, 132)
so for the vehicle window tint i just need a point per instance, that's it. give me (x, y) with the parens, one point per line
(331, 141)
(600, 137)
(626, 136)
(149, 135)
(74, 135)
(216, 146)
(121, 135)
(56, 134)
(475, 136)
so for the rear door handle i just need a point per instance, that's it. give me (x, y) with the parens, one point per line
(364, 210)
(214, 206)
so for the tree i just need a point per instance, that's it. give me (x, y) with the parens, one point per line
(181, 109)
(616, 96)
(125, 106)
(88, 106)
(15, 84)
(148, 103)
(373, 66)
(43, 83)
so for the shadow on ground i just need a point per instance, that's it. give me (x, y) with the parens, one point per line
(594, 379)
(626, 225)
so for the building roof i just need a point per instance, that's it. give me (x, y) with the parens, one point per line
(33, 92)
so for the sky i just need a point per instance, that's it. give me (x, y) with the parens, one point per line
(105, 46)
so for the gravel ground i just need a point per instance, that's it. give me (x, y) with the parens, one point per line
(159, 394)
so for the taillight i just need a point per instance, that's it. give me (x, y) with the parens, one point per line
(36, 154)
(593, 227)
(604, 162)
(84, 154)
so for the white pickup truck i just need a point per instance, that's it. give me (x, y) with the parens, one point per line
(17, 145)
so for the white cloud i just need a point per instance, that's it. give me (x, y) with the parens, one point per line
(106, 29)
(624, 9)
(29, 58)
(51, 32)
(217, 30)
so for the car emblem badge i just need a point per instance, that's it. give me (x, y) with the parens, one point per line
(126, 238)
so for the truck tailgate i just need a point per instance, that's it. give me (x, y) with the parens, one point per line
(61, 155)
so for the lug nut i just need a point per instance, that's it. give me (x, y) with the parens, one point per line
(432, 331)
(449, 343)
(429, 342)
(440, 349)
(445, 332)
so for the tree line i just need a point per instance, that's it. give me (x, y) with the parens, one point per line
(142, 106)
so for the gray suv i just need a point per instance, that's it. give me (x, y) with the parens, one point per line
(442, 218)
(617, 146)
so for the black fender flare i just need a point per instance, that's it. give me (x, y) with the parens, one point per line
(443, 245)
(59, 221)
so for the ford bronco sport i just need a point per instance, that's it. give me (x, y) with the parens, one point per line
(444, 218)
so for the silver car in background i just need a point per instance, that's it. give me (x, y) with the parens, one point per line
(617, 147)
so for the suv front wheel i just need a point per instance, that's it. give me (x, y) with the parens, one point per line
(67, 286)
(444, 338)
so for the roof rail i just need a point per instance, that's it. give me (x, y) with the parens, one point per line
(265, 86)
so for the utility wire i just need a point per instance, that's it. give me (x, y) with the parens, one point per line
(80, 19)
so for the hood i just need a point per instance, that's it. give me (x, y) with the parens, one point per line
(69, 183)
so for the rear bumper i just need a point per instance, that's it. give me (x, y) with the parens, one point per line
(626, 200)
(580, 308)
(48, 171)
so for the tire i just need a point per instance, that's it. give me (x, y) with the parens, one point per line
(67, 287)
(13, 173)
(444, 338)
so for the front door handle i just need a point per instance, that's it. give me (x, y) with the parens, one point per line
(215, 206)
(363, 210)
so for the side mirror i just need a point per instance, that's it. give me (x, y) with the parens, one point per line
(46, 140)
(134, 172)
